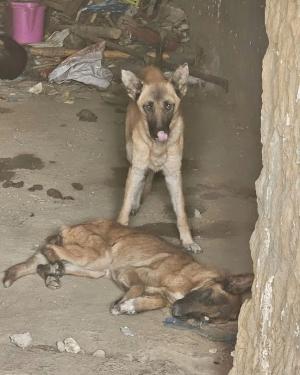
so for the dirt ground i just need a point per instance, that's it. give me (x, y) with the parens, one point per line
(44, 143)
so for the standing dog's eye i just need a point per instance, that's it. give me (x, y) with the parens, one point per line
(148, 107)
(168, 106)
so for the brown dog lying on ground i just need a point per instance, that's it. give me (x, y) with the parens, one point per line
(153, 272)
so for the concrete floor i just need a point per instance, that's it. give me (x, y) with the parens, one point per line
(43, 142)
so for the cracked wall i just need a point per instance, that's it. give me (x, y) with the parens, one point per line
(269, 324)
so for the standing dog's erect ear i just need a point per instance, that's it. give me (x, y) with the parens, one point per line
(132, 84)
(179, 79)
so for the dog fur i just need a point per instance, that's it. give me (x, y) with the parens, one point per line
(152, 272)
(154, 141)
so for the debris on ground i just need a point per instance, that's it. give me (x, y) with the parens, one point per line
(197, 213)
(36, 89)
(127, 331)
(69, 345)
(213, 350)
(54, 193)
(99, 353)
(22, 340)
(85, 67)
(77, 186)
(86, 115)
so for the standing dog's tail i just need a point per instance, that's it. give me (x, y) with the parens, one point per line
(28, 267)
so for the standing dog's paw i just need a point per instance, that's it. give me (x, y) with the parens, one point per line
(193, 247)
(125, 307)
(52, 282)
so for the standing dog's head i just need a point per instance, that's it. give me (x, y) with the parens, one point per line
(157, 98)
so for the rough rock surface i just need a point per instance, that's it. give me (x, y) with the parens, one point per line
(269, 324)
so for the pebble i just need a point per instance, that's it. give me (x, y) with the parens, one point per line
(197, 213)
(99, 353)
(22, 340)
(213, 351)
(60, 346)
(126, 331)
(86, 115)
(71, 345)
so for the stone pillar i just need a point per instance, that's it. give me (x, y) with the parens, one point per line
(269, 324)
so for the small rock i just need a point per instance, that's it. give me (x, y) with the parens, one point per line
(126, 331)
(35, 187)
(86, 115)
(22, 340)
(54, 193)
(69, 197)
(77, 186)
(71, 345)
(197, 213)
(8, 184)
(213, 351)
(99, 353)
(60, 346)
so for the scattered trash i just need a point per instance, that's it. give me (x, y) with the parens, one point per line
(213, 351)
(99, 353)
(86, 115)
(126, 331)
(69, 345)
(56, 39)
(85, 66)
(22, 340)
(36, 89)
(226, 332)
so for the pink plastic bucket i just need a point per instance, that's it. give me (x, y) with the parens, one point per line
(27, 21)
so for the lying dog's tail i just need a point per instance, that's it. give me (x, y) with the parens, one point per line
(28, 267)
(238, 284)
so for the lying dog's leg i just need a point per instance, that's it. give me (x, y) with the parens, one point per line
(174, 184)
(134, 185)
(23, 269)
(121, 304)
(140, 304)
(51, 274)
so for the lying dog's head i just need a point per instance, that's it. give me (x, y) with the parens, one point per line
(220, 302)
(157, 98)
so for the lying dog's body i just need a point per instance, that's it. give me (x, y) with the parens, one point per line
(153, 272)
(154, 141)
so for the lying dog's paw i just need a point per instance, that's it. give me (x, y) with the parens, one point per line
(192, 247)
(125, 307)
(52, 282)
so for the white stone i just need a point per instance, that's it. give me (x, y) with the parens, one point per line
(22, 340)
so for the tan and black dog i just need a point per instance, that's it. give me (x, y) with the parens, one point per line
(154, 141)
(152, 272)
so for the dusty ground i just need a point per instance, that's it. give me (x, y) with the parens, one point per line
(44, 143)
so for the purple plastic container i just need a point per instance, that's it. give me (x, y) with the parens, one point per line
(27, 21)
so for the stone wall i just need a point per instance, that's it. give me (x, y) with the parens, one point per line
(269, 324)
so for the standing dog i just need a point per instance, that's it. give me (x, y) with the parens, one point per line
(154, 141)
(153, 272)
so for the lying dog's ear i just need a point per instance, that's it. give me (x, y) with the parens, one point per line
(179, 79)
(132, 84)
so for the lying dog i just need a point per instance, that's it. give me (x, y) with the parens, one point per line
(154, 141)
(153, 272)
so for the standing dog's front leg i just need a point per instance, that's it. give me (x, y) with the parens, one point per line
(134, 185)
(174, 184)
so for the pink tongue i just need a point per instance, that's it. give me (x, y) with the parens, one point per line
(162, 136)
